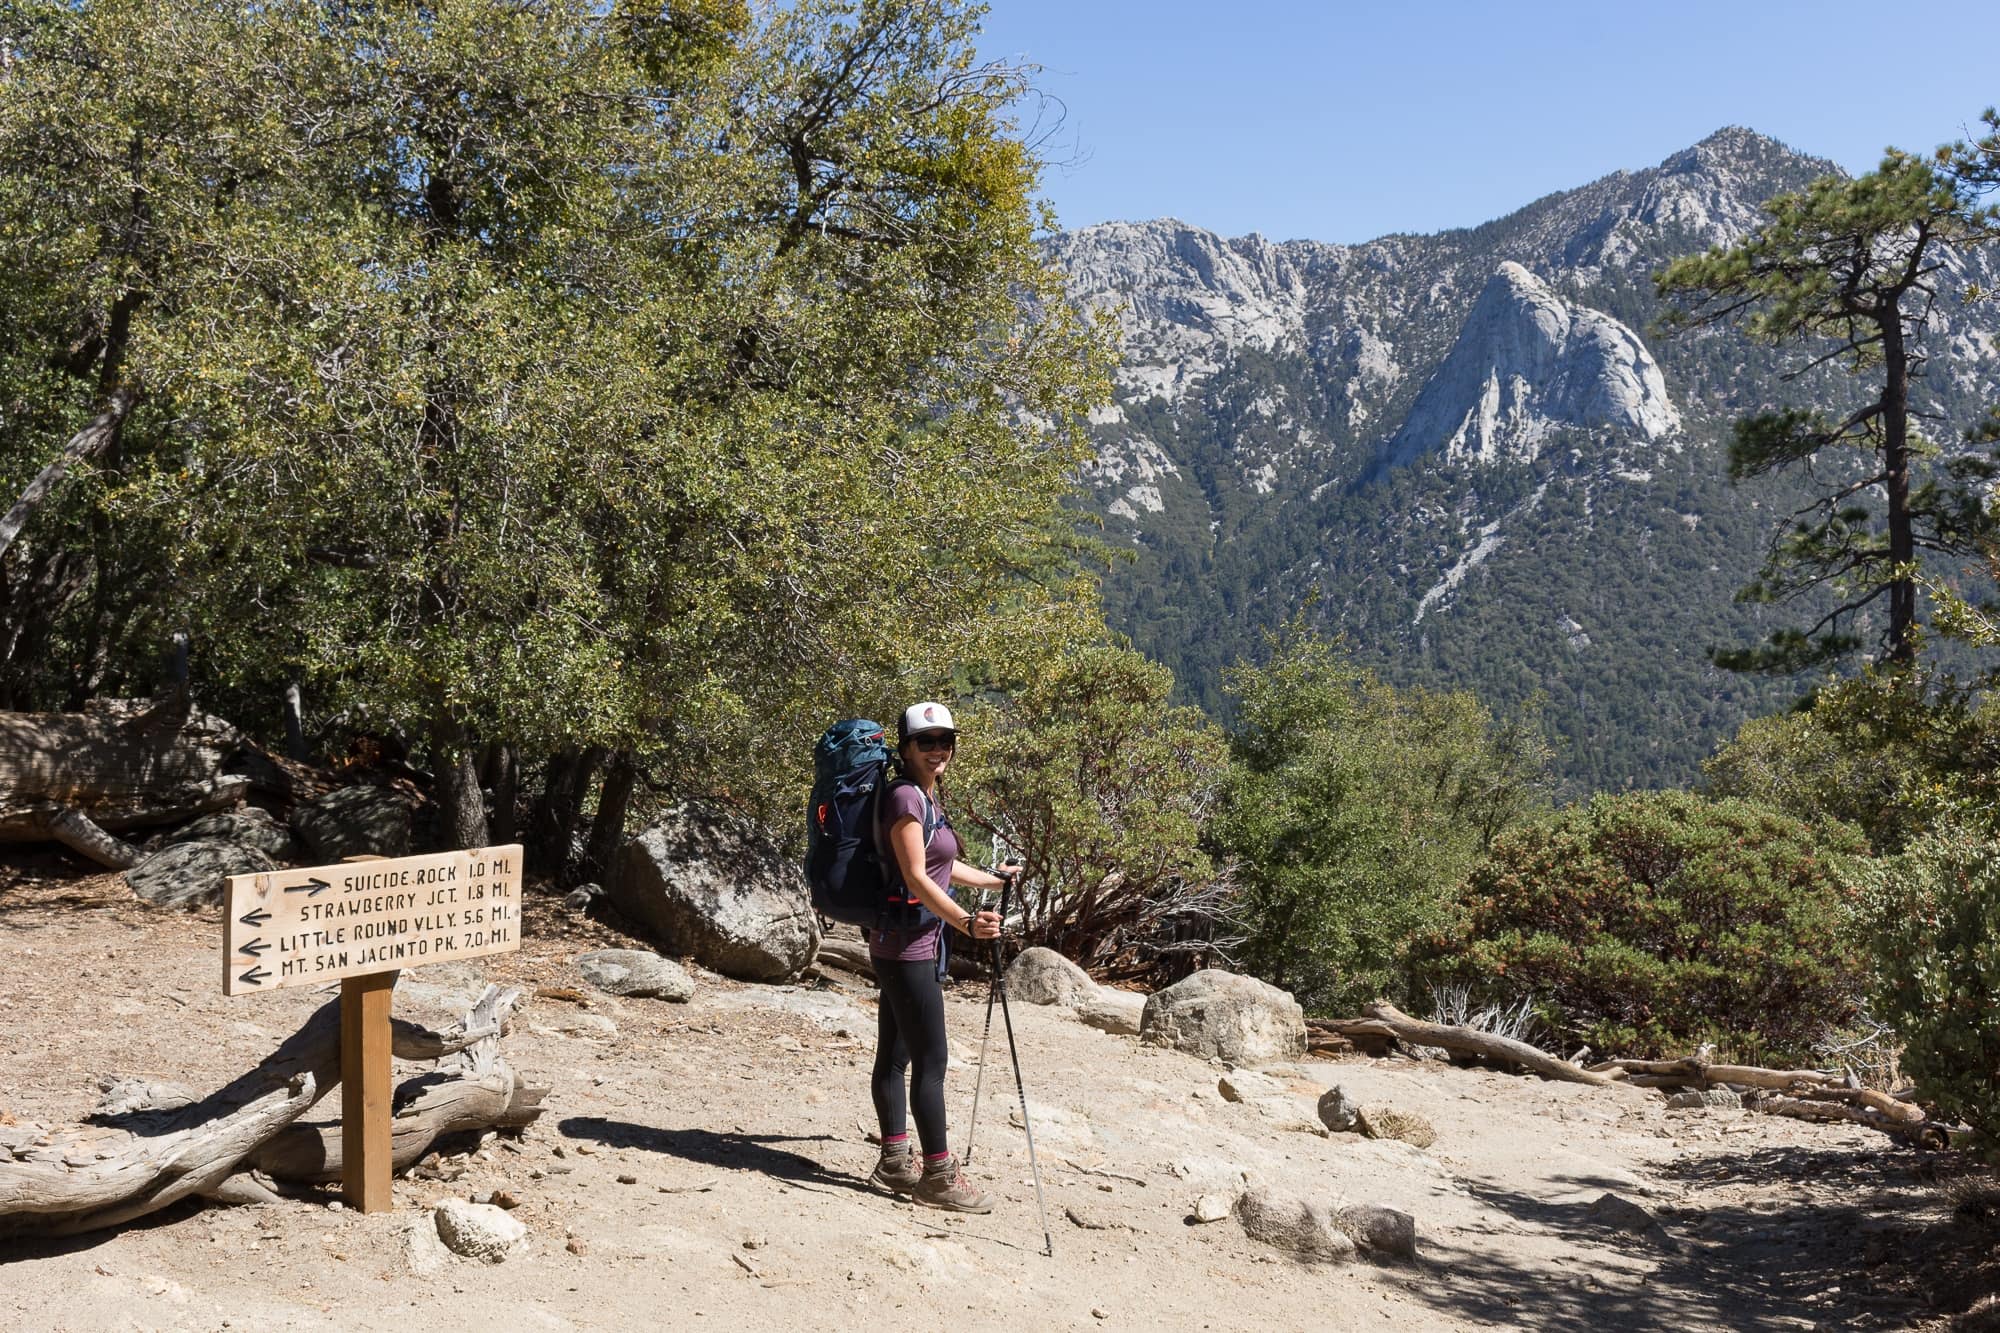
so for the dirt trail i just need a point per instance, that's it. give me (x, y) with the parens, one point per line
(736, 1119)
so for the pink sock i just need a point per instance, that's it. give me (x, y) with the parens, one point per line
(892, 1140)
(933, 1158)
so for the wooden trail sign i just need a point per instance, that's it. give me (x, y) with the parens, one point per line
(318, 924)
(360, 922)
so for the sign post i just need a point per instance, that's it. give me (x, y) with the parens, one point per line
(359, 923)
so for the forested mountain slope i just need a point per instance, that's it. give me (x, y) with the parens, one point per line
(1472, 454)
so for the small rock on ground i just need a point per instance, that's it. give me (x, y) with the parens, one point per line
(1296, 1225)
(1386, 1232)
(1338, 1111)
(1693, 1098)
(478, 1230)
(636, 972)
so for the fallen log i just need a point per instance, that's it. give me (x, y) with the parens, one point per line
(61, 1189)
(1492, 1046)
(428, 1108)
(81, 778)
(1921, 1133)
(150, 1144)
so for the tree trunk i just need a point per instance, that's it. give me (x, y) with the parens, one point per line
(1902, 647)
(607, 830)
(92, 440)
(295, 727)
(461, 804)
(1465, 1041)
(506, 792)
(545, 820)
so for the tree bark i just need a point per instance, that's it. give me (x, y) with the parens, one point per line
(87, 443)
(1492, 1046)
(461, 804)
(151, 1144)
(607, 830)
(295, 726)
(506, 793)
(60, 1190)
(1902, 647)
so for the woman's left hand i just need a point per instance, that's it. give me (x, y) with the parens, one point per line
(985, 925)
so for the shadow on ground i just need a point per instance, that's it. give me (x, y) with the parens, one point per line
(733, 1152)
(1782, 1238)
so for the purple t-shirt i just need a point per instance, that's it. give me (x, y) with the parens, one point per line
(905, 800)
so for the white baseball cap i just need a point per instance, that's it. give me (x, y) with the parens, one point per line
(926, 717)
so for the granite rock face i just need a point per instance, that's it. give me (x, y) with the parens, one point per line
(1525, 364)
(709, 883)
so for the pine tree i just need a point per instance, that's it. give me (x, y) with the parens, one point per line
(1848, 269)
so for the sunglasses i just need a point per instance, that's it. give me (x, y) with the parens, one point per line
(935, 740)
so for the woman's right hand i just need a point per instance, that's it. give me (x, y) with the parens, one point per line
(984, 925)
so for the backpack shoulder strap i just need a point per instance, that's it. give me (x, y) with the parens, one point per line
(931, 820)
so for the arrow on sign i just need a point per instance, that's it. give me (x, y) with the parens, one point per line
(256, 918)
(256, 976)
(312, 888)
(253, 948)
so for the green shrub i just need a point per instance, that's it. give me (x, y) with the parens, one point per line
(1936, 941)
(1353, 809)
(1650, 922)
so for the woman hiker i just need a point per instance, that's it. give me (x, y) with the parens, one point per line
(909, 963)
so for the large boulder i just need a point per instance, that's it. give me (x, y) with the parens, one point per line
(1221, 1015)
(1116, 1011)
(191, 874)
(354, 821)
(249, 827)
(709, 883)
(1043, 976)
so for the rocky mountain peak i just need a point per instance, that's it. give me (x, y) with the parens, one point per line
(1184, 297)
(1526, 363)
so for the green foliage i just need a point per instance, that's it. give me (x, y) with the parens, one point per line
(1649, 922)
(1102, 787)
(1890, 753)
(1353, 810)
(1846, 267)
(561, 374)
(1936, 943)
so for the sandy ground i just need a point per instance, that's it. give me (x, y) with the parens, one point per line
(704, 1164)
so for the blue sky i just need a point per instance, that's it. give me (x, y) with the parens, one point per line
(1341, 122)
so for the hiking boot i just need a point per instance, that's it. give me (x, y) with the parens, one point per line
(899, 1169)
(945, 1186)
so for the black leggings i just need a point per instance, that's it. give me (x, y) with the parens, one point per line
(910, 1034)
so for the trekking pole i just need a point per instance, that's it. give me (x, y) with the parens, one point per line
(979, 1079)
(1013, 1052)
